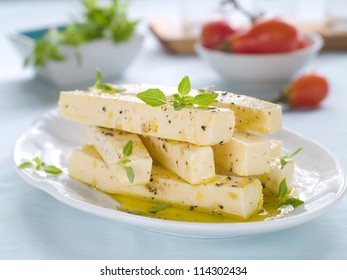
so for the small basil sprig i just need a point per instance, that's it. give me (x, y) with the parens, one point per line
(155, 97)
(106, 87)
(153, 210)
(159, 207)
(284, 198)
(124, 161)
(38, 164)
(286, 158)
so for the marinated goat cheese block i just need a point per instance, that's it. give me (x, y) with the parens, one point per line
(247, 154)
(271, 180)
(226, 195)
(193, 163)
(251, 113)
(127, 112)
(110, 144)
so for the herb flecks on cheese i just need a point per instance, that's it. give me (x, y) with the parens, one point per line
(227, 195)
(128, 113)
(251, 113)
(191, 162)
(123, 153)
(247, 154)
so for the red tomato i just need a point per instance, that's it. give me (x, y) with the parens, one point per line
(307, 91)
(215, 33)
(272, 35)
(302, 43)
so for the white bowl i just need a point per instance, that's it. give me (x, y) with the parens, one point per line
(260, 75)
(112, 59)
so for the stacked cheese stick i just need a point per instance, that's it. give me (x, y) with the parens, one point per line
(188, 146)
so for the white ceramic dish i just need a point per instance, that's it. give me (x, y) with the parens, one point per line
(112, 59)
(320, 177)
(261, 75)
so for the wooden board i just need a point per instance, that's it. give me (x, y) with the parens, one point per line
(173, 38)
(334, 39)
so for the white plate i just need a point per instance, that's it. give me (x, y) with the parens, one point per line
(320, 177)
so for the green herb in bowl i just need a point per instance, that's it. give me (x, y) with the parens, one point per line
(98, 22)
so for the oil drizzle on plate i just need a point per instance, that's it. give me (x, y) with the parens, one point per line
(192, 214)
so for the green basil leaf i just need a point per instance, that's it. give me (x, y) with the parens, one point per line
(188, 100)
(98, 78)
(184, 86)
(284, 161)
(25, 164)
(159, 207)
(124, 161)
(202, 90)
(52, 169)
(46, 48)
(177, 97)
(283, 189)
(204, 99)
(153, 97)
(107, 87)
(101, 86)
(294, 153)
(178, 106)
(130, 173)
(206, 90)
(295, 202)
(135, 212)
(38, 163)
(286, 158)
(128, 148)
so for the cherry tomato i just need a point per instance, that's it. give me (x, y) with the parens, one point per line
(307, 91)
(272, 35)
(215, 33)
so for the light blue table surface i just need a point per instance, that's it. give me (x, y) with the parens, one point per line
(34, 225)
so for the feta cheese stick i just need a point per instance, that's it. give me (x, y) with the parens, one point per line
(191, 162)
(239, 197)
(110, 143)
(247, 154)
(127, 112)
(251, 113)
(276, 148)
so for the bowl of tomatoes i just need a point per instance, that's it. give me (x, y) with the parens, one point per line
(260, 59)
